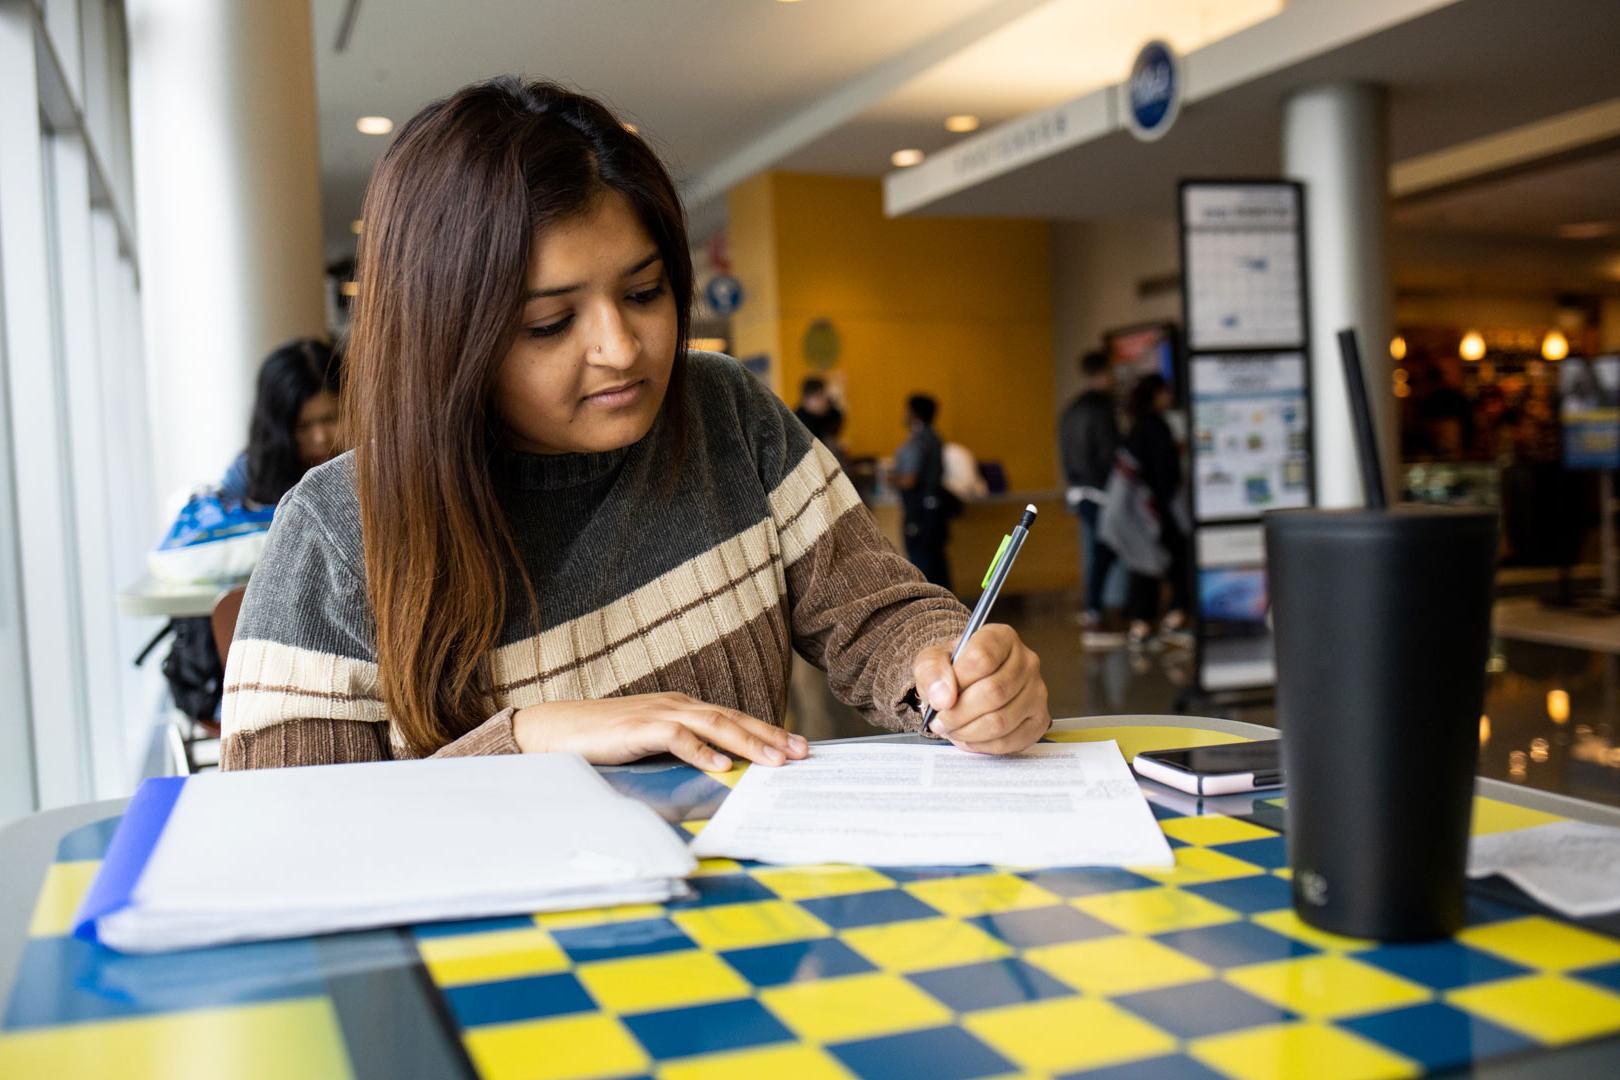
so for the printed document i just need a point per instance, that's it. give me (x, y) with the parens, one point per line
(1572, 867)
(1070, 804)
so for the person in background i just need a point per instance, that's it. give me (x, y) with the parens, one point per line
(818, 412)
(919, 476)
(1154, 447)
(1088, 436)
(294, 426)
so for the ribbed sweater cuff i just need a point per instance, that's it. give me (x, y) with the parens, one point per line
(493, 736)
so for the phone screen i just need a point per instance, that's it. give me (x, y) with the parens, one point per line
(1257, 757)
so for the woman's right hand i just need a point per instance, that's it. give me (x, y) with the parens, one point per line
(612, 731)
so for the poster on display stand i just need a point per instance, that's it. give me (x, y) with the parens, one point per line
(1249, 408)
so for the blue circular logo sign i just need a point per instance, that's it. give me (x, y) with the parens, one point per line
(724, 294)
(1153, 92)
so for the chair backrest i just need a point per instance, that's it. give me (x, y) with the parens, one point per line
(226, 608)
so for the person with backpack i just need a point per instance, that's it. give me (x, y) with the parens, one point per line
(1088, 436)
(1158, 459)
(919, 476)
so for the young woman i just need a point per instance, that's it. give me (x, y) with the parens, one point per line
(294, 426)
(559, 530)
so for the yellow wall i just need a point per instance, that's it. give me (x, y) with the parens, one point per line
(960, 309)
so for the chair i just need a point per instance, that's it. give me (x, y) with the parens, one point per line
(226, 608)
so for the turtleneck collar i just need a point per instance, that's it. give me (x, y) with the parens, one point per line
(550, 472)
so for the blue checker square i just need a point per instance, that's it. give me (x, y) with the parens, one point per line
(63, 980)
(723, 889)
(454, 927)
(1169, 1067)
(1075, 881)
(1479, 910)
(989, 985)
(868, 908)
(1041, 926)
(517, 999)
(1206, 1008)
(1607, 976)
(706, 1029)
(1270, 852)
(1441, 965)
(606, 941)
(1164, 813)
(1437, 1036)
(797, 961)
(946, 1053)
(1233, 944)
(1259, 892)
(907, 874)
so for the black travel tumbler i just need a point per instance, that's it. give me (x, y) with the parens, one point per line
(1382, 621)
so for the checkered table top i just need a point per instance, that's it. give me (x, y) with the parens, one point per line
(837, 971)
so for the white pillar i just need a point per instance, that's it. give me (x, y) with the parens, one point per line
(227, 191)
(1335, 139)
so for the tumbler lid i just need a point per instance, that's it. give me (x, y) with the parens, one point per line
(1424, 519)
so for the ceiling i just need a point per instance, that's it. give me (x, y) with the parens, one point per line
(1575, 199)
(726, 88)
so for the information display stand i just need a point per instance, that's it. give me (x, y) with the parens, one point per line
(1248, 396)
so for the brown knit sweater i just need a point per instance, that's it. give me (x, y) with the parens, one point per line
(703, 587)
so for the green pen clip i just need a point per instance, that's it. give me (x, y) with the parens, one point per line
(995, 562)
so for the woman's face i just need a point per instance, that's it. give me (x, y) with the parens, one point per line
(315, 430)
(596, 337)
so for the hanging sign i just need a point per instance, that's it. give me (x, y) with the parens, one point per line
(1153, 92)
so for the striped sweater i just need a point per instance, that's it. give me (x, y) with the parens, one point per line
(702, 587)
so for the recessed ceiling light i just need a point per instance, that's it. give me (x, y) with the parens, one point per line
(1586, 230)
(356, 226)
(961, 123)
(374, 125)
(904, 159)
(631, 128)
(350, 288)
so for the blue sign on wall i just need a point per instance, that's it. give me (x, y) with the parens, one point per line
(724, 294)
(1153, 92)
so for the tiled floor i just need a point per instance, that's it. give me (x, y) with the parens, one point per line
(1553, 711)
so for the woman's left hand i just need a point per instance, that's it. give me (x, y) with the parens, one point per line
(993, 701)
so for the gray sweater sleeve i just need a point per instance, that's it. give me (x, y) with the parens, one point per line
(301, 683)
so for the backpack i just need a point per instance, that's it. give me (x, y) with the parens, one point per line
(192, 668)
(1129, 524)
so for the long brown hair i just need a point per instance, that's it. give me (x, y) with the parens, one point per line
(450, 214)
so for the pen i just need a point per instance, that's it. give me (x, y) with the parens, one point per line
(993, 578)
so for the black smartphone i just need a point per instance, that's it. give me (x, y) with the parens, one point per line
(1215, 770)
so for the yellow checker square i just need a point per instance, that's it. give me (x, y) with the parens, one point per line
(1288, 924)
(1213, 829)
(854, 1007)
(1542, 943)
(1549, 1008)
(717, 867)
(1285, 1051)
(811, 882)
(693, 827)
(491, 957)
(918, 944)
(743, 926)
(981, 894)
(299, 1037)
(1155, 911)
(1068, 1034)
(59, 897)
(1196, 865)
(791, 1062)
(661, 981)
(1110, 966)
(1495, 816)
(566, 920)
(1327, 986)
(583, 1047)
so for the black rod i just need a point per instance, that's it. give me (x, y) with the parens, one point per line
(1355, 384)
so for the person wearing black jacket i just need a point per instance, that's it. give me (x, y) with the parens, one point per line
(1154, 446)
(1088, 436)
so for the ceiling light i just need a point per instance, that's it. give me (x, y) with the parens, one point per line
(905, 159)
(1472, 346)
(374, 125)
(631, 128)
(350, 288)
(1555, 346)
(962, 123)
(1397, 348)
(1558, 706)
(1586, 230)
(356, 226)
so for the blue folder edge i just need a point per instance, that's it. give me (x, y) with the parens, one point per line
(132, 845)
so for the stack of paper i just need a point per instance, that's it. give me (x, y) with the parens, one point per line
(892, 805)
(277, 853)
(1573, 867)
